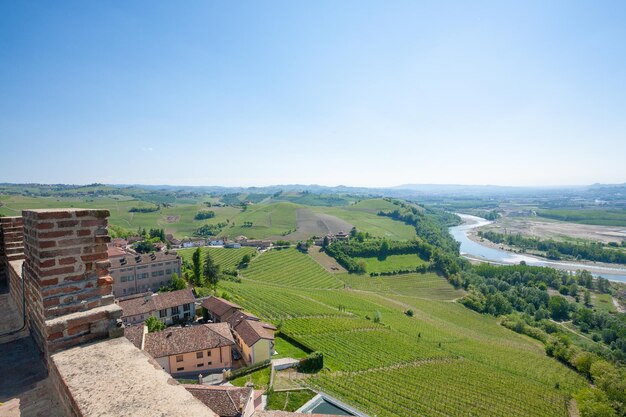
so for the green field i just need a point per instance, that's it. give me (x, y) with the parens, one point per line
(226, 258)
(290, 268)
(289, 400)
(602, 217)
(392, 263)
(445, 360)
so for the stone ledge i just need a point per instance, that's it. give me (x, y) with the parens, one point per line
(114, 378)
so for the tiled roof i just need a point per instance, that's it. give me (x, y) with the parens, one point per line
(137, 306)
(115, 252)
(147, 258)
(134, 333)
(251, 331)
(170, 299)
(218, 305)
(223, 400)
(174, 341)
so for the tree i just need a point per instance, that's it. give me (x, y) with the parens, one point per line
(559, 308)
(195, 259)
(587, 298)
(144, 247)
(211, 271)
(177, 283)
(154, 324)
(245, 260)
(383, 251)
(325, 242)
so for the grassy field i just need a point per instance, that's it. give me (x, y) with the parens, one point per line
(289, 400)
(392, 263)
(226, 258)
(267, 220)
(260, 379)
(445, 360)
(600, 217)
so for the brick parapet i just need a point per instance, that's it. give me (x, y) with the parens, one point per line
(66, 272)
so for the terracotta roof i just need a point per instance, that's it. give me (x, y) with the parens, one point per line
(174, 341)
(147, 258)
(223, 400)
(251, 331)
(134, 333)
(137, 306)
(218, 305)
(115, 252)
(168, 299)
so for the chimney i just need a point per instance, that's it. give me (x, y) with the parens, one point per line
(200, 380)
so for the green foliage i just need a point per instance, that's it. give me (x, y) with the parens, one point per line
(288, 400)
(594, 403)
(210, 271)
(312, 363)
(177, 283)
(600, 216)
(143, 209)
(154, 324)
(556, 250)
(207, 230)
(559, 308)
(196, 266)
(204, 214)
(144, 247)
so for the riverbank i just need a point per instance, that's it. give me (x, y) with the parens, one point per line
(480, 250)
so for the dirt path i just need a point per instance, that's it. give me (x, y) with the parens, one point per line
(618, 306)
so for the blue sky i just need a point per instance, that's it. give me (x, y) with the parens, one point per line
(349, 92)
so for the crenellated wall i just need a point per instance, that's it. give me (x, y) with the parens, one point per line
(12, 256)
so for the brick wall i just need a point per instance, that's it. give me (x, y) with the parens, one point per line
(12, 254)
(66, 271)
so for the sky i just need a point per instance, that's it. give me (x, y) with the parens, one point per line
(360, 93)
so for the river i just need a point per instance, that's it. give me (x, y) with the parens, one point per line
(476, 251)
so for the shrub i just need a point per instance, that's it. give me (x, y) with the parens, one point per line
(312, 363)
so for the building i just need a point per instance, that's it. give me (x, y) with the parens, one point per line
(342, 235)
(193, 243)
(172, 240)
(119, 242)
(257, 243)
(215, 241)
(134, 274)
(220, 309)
(225, 401)
(170, 307)
(192, 350)
(254, 338)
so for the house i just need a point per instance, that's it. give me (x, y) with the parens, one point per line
(220, 309)
(319, 241)
(342, 235)
(257, 243)
(134, 239)
(193, 242)
(133, 274)
(215, 241)
(170, 307)
(232, 245)
(115, 251)
(192, 350)
(159, 246)
(254, 337)
(118, 242)
(172, 240)
(224, 400)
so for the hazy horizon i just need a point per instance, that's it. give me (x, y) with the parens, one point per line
(352, 93)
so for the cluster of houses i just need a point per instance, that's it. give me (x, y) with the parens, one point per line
(319, 241)
(198, 347)
(196, 242)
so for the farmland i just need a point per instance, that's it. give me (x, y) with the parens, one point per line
(444, 360)
(228, 259)
(392, 263)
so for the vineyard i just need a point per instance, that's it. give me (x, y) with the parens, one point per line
(392, 263)
(442, 361)
(227, 259)
(290, 268)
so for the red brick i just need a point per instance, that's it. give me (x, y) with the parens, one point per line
(47, 263)
(81, 241)
(60, 290)
(83, 232)
(57, 271)
(74, 278)
(67, 223)
(58, 233)
(55, 336)
(47, 244)
(67, 261)
(51, 302)
(83, 328)
(95, 257)
(52, 281)
(52, 215)
(60, 252)
(92, 223)
(87, 318)
(107, 280)
(44, 226)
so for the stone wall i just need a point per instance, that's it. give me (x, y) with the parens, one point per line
(11, 255)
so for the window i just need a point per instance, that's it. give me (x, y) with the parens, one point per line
(154, 273)
(168, 271)
(186, 315)
(179, 358)
(200, 365)
(124, 290)
(175, 310)
(209, 363)
(163, 313)
(161, 273)
(199, 355)
(186, 307)
(180, 369)
(208, 353)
